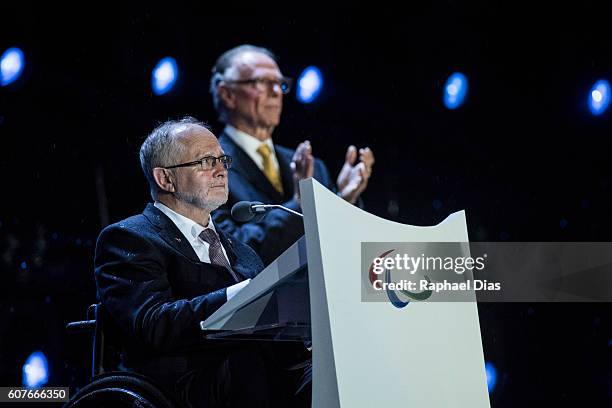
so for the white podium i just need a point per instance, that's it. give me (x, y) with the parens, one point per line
(365, 354)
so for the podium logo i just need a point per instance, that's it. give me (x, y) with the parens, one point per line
(377, 271)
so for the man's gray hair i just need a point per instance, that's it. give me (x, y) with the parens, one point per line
(161, 148)
(224, 62)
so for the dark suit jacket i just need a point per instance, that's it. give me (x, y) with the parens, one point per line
(279, 229)
(153, 285)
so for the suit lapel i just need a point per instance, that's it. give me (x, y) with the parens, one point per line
(243, 165)
(235, 263)
(170, 232)
(227, 245)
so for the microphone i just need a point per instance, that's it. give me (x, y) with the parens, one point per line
(244, 211)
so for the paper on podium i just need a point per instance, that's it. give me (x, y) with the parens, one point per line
(258, 292)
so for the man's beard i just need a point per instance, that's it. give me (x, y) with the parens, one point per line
(199, 202)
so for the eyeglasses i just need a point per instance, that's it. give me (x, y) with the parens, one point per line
(206, 163)
(265, 84)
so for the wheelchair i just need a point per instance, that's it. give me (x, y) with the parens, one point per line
(110, 387)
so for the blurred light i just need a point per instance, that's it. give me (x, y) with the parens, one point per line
(11, 65)
(491, 376)
(309, 84)
(164, 76)
(455, 90)
(437, 204)
(599, 98)
(35, 370)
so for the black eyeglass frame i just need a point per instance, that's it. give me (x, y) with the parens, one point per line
(225, 160)
(284, 83)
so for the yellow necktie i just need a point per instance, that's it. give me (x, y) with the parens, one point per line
(268, 167)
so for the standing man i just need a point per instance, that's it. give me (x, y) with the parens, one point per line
(247, 87)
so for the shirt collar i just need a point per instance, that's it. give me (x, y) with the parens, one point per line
(188, 227)
(250, 144)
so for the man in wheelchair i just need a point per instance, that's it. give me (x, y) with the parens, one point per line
(161, 272)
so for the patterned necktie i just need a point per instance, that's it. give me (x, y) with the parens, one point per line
(215, 251)
(268, 167)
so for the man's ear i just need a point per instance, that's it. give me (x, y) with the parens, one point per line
(226, 96)
(164, 179)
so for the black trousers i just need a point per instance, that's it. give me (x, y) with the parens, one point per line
(239, 379)
(248, 375)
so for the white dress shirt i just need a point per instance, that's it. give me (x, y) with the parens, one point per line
(250, 144)
(191, 230)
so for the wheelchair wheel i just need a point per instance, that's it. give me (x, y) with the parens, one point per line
(116, 390)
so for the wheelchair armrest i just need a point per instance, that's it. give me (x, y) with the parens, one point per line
(82, 326)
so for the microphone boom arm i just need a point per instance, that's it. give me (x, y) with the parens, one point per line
(260, 208)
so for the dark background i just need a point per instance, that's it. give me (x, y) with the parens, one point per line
(523, 156)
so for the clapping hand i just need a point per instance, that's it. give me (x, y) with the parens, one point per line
(353, 178)
(302, 166)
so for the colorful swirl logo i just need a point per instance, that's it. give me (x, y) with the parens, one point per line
(393, 297)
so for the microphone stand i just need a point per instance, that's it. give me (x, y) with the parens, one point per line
(261, 208)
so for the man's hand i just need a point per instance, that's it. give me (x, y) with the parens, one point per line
(353, 179)
(302, 166)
